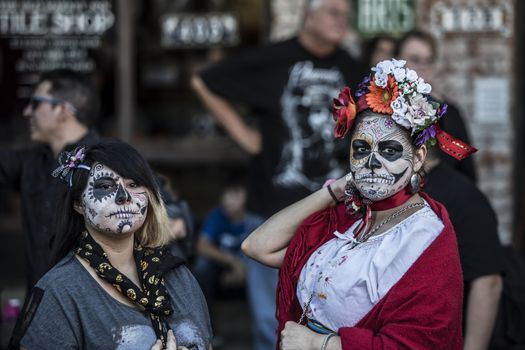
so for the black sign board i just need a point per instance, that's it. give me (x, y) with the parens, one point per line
(384, 16)
(37, 36)
(42, 35)
(196, 30)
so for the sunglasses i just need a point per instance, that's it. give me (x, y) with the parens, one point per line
(36, 100)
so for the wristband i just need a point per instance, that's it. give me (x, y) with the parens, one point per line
(326, 339)
(332, 194)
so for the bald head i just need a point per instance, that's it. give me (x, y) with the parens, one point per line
(326, 21)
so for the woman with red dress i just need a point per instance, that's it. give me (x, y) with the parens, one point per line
(369, 261)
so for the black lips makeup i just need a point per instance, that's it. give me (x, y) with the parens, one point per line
(381, 157)
(113, 204)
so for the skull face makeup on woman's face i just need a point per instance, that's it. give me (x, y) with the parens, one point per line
(112, 204)
(381, 157)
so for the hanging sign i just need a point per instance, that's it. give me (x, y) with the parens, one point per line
(385, 16)
(186, 30)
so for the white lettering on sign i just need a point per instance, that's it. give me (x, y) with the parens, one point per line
(192, 30)
(475, 18)
(385, 15)
(53, 34)
(55, 17)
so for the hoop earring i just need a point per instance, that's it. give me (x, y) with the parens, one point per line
(415, 183)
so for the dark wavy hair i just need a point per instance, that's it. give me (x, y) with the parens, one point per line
(416, 34)
(128, 163)
(369, 46)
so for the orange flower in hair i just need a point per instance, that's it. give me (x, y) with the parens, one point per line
(379, 98)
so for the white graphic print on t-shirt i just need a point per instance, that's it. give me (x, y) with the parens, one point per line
(307, 158)
(135, 337)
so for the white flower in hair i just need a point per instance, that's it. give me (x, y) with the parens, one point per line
(398, 63)
(422, 87)
(386, 67)
(402, 119)
(419, 111)
(399, 74)
(411, 75)
(400, 107)
(381, 79)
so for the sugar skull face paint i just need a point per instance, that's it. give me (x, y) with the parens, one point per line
(381, 157)
(112, 204)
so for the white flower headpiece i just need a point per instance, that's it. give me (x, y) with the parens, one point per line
(397, 91)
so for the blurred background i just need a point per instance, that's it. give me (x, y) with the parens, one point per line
(142, 54)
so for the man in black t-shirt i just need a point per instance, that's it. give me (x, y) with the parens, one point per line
(480, 251)
(288, 88)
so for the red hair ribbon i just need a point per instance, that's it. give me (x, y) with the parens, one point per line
(453, 146)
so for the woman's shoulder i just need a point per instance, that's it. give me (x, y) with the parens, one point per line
(64, 273)
(421, 227)
(180, 275)
(182, 286)
(435, 222)
(424, 224)
(427, 215)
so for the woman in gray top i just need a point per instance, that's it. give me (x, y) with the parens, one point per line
(115, 286)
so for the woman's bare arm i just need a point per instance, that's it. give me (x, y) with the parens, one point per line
(268, 243)
(247, 137)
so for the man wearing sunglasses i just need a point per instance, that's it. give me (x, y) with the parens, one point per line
(61, 111)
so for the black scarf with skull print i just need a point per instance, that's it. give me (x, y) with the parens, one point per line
(152, 265)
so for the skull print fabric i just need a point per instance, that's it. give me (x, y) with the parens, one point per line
(381, 157)
(113, 204)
